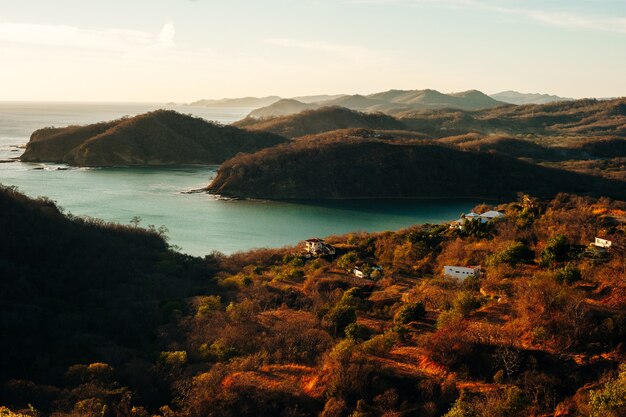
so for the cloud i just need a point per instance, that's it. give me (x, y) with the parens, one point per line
(94, 40)
(558, 18)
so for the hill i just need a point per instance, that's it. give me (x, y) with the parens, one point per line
(93, 291)
(157, 138)
(281, 108)
(351, 167)
(570, 118)
(105, 320)
(514, 97)
(320, 120)
(393, 101)
(237, 102)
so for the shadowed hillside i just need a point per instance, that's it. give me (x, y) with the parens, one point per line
(351, 167)
(156, 138)
(321, 120)
(79, 291)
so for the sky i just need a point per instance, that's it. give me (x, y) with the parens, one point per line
(185, 50)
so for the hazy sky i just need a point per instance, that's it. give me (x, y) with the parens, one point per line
(183, 50)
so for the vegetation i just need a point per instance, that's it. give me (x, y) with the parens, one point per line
(105, 320)
(380, 168)
(157, 138)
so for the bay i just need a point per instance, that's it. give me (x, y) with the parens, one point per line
(198, 223)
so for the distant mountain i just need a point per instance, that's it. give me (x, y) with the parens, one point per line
(282, 107)
(320, 120)
(514, 97)
(254, 102)
(257, 102)
(391, 102)
(160, 137)
(318, 98)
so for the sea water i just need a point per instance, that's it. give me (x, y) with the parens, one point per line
(198, 223)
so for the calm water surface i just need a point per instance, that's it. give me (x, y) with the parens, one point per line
(198, 223)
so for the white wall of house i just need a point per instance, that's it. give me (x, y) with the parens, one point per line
(460, 272)
(603, 243)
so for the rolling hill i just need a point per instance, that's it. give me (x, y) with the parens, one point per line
(351, 167)
(514, 97)
(157, 138)
(320, 120)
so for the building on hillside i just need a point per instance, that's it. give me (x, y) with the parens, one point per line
(602, 243)
(484, 218)
(461, 272)
(367, 271)
(317, 247)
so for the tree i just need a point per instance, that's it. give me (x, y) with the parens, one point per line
(340, 317)
(347, 261)
(557, 250)
(610, 401)
(410, 312)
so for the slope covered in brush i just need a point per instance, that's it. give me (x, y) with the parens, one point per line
(157, 138)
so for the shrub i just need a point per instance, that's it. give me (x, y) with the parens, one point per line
(568, 275)
(516, 253)
(340, 317)
(380, 344)
(357, 332)
(460, 408)
(610, 401)
(347, 261)
(410, 312)
(174, 359)
(465, 303)
(557, 250)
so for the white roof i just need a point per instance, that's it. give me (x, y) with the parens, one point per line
(472, 214)
(491, 214)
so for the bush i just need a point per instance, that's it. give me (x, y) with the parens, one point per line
(347, 261)
(568, 275)
(357, 332)
(410, 312)
(465, 303)
(460, 408)
(380, 344)
(340, 317)
(610, 401)
(557, 250)
(516, 253)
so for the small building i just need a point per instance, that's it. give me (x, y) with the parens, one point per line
(317, 247)
(461, 272)
(367, 271)
(484, 218)
(602, 243)
(491, 214)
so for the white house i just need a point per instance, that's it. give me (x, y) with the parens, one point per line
(461, 272)
(602, 243)
(484, 218)
(318, 247)
(361, 272)
(491, 214)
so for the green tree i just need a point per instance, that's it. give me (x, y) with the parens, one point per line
(557, 250)
(340, 317)
(410, 312)
(610, 401)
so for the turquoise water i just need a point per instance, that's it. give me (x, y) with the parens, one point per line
(198, 223)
